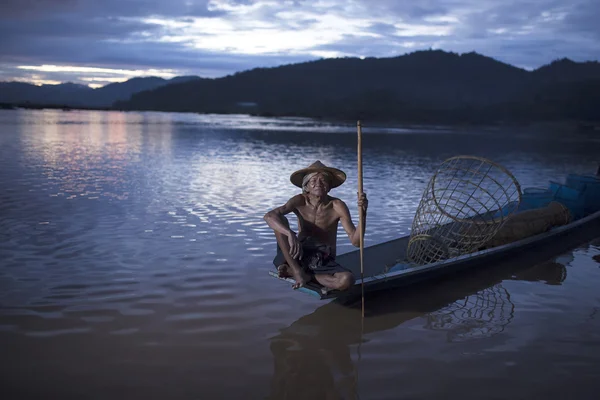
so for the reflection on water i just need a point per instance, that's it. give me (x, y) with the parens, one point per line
(88, 158)
(489, 311)
(134, 259)
(483, 314)
(319, 355)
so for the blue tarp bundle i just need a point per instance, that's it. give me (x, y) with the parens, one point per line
(570, 197)
(590, 186)
(535, 198)
(580, 194)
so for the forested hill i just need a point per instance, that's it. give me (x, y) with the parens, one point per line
(425, 86)
(74, 95)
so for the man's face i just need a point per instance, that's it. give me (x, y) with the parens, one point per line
(319, 185)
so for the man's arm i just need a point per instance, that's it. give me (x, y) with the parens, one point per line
(276, 217)
(278, 222)
(346, 220)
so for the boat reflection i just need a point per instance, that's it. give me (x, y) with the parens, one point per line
(313, 357)
(483, 314)
(489, 311)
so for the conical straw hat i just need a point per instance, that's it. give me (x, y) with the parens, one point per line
(338, 176)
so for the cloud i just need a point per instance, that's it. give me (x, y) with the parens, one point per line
(219, 37)
(84, 9)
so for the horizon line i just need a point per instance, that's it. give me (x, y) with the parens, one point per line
(90, 86)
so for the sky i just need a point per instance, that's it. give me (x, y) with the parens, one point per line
(96, 42)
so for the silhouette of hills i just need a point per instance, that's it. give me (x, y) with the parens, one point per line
(74, 95)
(431, 86)
(424, 86)
(565, 70)
(19, 92)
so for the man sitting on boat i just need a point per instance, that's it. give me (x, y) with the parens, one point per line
(311, 253)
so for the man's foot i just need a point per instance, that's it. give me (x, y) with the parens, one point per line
(301, 278)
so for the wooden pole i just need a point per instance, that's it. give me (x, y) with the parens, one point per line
(361, 217)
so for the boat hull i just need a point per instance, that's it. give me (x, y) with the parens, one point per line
(534, 249)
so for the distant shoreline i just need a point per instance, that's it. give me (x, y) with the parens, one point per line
(580, 125)
(32, 106)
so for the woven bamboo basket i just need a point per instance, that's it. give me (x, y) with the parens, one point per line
(467, 200)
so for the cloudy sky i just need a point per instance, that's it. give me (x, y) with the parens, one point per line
(96, 42)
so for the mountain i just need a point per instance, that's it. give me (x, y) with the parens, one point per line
(74, 95)
(107, 95)
(430, 86)
(565, 70)
(432, 78)
(183, 79)
(424, 86)
(19, 92)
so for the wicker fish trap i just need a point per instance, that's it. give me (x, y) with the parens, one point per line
(465, 203)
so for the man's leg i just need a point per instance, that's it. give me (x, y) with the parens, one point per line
(337, 281)
(294, 267)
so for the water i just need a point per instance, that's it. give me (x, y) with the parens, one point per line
(134, 260)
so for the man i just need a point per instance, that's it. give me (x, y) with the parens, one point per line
(310, 254)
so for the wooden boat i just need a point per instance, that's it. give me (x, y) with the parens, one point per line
(385, 270)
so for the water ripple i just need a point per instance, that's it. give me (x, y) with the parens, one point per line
(136, 240)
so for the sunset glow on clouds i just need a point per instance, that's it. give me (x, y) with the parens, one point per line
(110, 41)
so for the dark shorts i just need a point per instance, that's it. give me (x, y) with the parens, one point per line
(317, 258)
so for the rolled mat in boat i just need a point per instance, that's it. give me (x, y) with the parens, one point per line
(531, 222)
(506, 210)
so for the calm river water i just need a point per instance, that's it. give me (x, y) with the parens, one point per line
(134, 264)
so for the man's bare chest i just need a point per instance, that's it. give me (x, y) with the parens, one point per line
(324, 217)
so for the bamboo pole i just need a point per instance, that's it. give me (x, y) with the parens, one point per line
(361, 217)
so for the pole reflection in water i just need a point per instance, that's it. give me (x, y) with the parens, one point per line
(317, 356)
